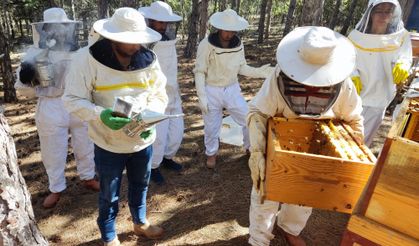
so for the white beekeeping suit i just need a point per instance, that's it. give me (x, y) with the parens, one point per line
(42, 74)
(216, 79)
(169, 133)
(311, 81)
(380, 59)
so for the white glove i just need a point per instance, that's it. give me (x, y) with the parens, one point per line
(200, 90)
(257, 169)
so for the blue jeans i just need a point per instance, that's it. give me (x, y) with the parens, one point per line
(110, 166)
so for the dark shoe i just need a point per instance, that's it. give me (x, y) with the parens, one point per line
(51, 200)
(211, 161)
(91, 184)
(171, 164)
(291, 239)
(147, 230)
(156, 176)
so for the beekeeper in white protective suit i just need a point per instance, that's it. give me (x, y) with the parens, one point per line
(384, 56)
(220, 58)
(312, 80)
(41, 75)
(119, 67)
(161, 18)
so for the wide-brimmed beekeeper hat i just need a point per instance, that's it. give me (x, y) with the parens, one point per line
(316, 56)
(160, 11)
(55, 15)
(228, 20)
(126, 25)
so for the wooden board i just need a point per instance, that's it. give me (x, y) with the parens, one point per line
(375, 234)
(313, 180)
(395, 198)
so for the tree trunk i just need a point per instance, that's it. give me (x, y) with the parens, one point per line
(16, 214)
(290, 16)
(73, 9)
(238, 3)
(336, 12)
(130, 3)
(406, 6)
(102, 11)
(233, 4)
(268, 19)
(261, 27)
(203, 18)
(348, 19)
(6, 68)
(190, 48)
(312, 12)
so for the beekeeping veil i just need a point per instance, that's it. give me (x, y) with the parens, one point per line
(395, 25)
(314, 61)
(161, 11)
(56, 31)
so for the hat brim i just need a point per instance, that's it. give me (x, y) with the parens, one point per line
(148, 14)
(217, 22)
(339, 67)
(64, 21)
(107, 30)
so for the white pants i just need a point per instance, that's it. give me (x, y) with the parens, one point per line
(231, 99)
(291, 218)
(372, 120)
(54, 123)
(169, 135)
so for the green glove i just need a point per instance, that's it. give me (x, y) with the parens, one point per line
(357, 83)
(146, 134)
(115, 123)
(400, 73)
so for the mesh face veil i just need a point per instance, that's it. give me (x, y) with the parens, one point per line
(307, 100)
(376, 7)
(56, 36)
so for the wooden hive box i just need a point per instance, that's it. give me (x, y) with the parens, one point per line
(388, 211)
(304, 168)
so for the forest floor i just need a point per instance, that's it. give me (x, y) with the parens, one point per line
(196, 207)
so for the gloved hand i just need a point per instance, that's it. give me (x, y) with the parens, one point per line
(203, 104)
(400, 73)
(200, 90)
(115, 123)
(358, 84)
(257, 169)
(147, 133)
(27, 73)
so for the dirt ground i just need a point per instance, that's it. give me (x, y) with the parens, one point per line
(195, 207)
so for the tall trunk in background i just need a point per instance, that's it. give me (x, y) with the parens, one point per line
(238, 3)
(406, 6)
(203, 18)
(335, 14)
(290, 16)
(73, 10)
(233, 4)
(130, 3)
(16, 212)
(6, 65)
(348, 19)
(190, 48)
(268, 18)
(102, 11)
(261, 27)
(312, 13)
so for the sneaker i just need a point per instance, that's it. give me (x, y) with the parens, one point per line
(171, 164)
(156, 176)
(51, 200)
(211, 161)
(114, 242)
(148, 230)
(91, 184)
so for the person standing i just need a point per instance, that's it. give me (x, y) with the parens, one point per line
(384, 57)
(160, 18)
(312, 80)
(220, 58)
(42, 75)
(118, 66)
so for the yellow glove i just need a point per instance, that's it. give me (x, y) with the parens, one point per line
(257, 169)
(358, 84)
(400, 73)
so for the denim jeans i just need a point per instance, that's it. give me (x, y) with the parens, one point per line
(110, 166)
